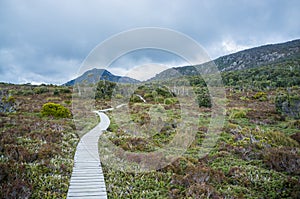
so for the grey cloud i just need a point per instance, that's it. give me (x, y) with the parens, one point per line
(50, 38)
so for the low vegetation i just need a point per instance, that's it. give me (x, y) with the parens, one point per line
(55, 110)
(257, 154)
(36, 151)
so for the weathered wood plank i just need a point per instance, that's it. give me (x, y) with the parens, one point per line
(87, 180)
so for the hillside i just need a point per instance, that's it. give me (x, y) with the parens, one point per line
(266, 55)
(95, 75)
(255, 57)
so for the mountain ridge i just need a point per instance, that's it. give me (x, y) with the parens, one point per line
(94, 75)
(248, 58)
(245, 59)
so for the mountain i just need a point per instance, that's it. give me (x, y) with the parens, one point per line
(260, 56)
(94, 75)
(267, 55)
(255, 57)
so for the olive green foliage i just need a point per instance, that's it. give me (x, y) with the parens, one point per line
(284, 74)
(153, 93)
(238, 113)
(135, 99)
(169, 101)
(262, 96)
(7, 102)
(61, 90)
(55, 110)
(288, 103)
(40, 90)
(104, 90)
(203, 97)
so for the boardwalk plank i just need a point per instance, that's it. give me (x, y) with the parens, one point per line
(87, 180)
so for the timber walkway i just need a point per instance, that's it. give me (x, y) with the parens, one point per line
(87, 180)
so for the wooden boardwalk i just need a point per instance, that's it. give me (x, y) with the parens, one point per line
(87, 180)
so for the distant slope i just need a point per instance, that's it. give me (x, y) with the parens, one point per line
(272, 54)
(260, 56)
(94, 75)
(250, 58)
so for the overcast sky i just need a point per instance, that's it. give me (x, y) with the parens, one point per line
(46, 41)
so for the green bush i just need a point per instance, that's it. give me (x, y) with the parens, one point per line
(159, 99)
(40, 90)
(169, 101)
(104, 90)
(55, 110)
(288, 103)
(64, 90)
(149, 96)
(261, 96)
(118, 96)
(164, 92)
(276, 138)
(135, 99)
(56, 92)
(203, 97)
(238, 113)
(7, 102)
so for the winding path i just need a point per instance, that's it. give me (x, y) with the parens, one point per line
(87, 180)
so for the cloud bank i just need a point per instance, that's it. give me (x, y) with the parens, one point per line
(46, 41)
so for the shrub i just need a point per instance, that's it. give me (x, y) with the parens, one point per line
(68, 102)
(276, 138)
(55, 110)
(56, 92)
(261, 96)
(294, 124)
(64, 90)
(238, 113)
(159, 99)
(203, 97)
(283, 160)
(118, 96)
(164, 92)
(149, 97)
(40, 90)
(7, 103)
(135, 99)
(197, 181)
(296, 137)
(169, 101)
(288, 103)
(104, 90)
